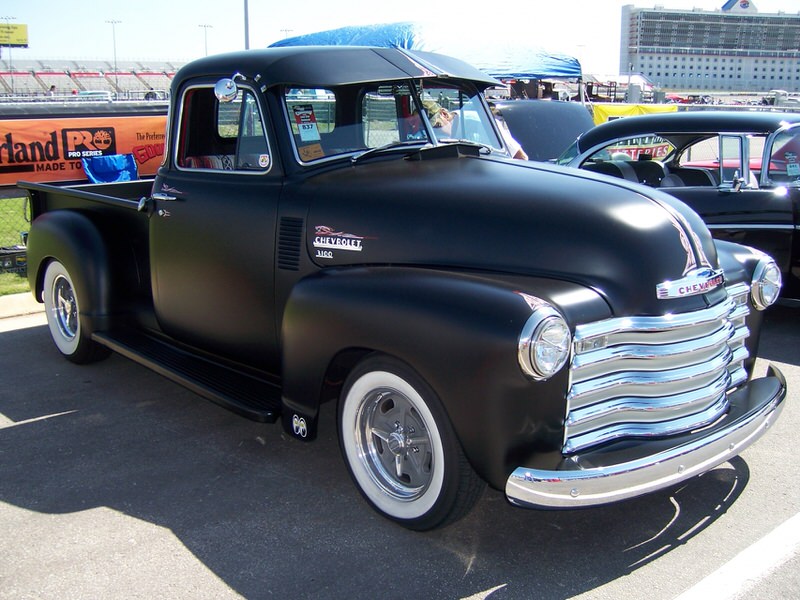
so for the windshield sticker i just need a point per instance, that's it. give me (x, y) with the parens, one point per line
(311, 152)
(263, 160)
(792, 166)
(326, 237)
(306, 123)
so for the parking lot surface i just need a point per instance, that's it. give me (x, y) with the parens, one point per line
(115, 482)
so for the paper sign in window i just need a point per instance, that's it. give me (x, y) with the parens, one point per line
(306, 123)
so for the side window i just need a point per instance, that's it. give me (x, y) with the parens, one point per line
(222, 136)
(732, 158)
(380, 119)
(784, 162)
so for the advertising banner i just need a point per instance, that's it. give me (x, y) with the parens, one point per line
(609, 112)
(48, 149)
(13, 36)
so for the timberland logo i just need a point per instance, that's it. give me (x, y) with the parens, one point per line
(90, 141)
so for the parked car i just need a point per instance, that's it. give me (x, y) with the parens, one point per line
(323, 228)
(544, 127)
(739, 170)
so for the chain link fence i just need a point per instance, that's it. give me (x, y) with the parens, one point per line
(13, 232)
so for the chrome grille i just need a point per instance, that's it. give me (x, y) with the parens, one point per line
(655, 376)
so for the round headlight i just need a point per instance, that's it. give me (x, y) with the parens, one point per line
(766, 284)
(544, 343)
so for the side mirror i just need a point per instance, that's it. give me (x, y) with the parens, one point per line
(226, 90)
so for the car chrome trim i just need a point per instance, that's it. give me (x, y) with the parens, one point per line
(576, 487)
(694, 283)
(644, 377)
(787, 226)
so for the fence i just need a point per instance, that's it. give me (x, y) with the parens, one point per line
(13, 228)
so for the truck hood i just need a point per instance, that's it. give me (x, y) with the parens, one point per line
(510, 217)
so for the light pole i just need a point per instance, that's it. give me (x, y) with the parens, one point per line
(205, 35)
(246, 27)
(113, 23)
(8, 34)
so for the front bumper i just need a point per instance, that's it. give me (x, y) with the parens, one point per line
(611, 474)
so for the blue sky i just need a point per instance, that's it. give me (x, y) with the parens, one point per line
(173, 29)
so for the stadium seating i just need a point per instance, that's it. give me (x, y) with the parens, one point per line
(136, 80)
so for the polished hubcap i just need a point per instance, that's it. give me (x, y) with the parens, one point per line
(395, 445)
(65, 308)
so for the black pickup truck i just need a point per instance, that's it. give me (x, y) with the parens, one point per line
(345, 224)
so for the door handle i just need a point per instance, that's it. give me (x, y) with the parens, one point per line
(162, 197)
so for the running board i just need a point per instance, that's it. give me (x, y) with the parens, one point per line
(242, 393)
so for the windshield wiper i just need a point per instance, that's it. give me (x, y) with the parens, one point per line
(390, 146)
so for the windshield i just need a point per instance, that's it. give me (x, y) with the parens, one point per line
(327, 123)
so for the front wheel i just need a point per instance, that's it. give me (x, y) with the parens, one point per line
(401, 449)
(62, 308)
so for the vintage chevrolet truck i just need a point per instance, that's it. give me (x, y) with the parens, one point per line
(344, 224)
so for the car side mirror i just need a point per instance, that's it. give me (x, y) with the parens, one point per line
(226, 89)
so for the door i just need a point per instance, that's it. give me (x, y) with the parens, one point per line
(738, 208)
(213, 228)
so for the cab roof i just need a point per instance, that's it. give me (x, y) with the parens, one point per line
(330, 66)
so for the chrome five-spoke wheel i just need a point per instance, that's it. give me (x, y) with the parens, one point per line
(400, 447)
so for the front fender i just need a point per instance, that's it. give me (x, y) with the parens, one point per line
(459, 332)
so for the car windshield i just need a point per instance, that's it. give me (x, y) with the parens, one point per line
(328, 123)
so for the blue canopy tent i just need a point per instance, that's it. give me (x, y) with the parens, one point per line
(502, 60)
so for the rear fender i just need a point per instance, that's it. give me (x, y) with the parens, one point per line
(71, 238)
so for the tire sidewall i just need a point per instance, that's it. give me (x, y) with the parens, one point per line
(433, 505)
(67, 347)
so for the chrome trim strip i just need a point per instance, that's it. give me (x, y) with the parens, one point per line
(647, 383)
(787, 226)
(658, 324)
(637, 409)
(610, 483)
(656, 375)
(644, 429)
(607, 357)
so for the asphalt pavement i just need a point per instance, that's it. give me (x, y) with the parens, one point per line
(116, 483)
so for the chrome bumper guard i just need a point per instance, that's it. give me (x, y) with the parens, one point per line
(594, 478)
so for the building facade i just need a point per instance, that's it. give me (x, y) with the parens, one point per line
(733, 49)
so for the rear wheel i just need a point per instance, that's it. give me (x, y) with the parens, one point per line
(401, 449)
(62, 308)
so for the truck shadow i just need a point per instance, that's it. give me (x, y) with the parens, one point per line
(265, 512)
(780, 334)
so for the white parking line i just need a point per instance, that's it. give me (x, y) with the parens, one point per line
(750, 566)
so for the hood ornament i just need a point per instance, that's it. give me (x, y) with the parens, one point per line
(699, 277)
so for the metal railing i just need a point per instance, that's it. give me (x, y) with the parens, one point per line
(14, 223)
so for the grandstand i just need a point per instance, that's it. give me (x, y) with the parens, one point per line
(20, 82)
(28, 79)
(126, 82)
(91, 81)
(60, 79)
